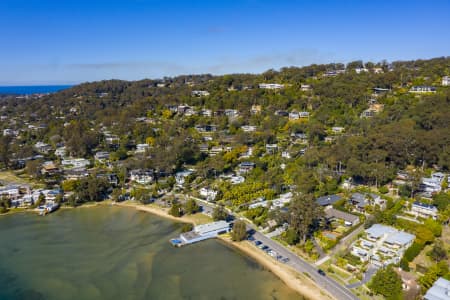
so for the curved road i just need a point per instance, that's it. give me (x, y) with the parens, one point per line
(331, 286)
(335, 289)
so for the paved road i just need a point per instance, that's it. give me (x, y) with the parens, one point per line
(334, 288)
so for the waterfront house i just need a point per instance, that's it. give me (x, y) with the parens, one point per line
(205, 231)
(208, 193)
(141, 176)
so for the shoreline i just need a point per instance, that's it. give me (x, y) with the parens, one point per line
(300, 283)
(296, 281)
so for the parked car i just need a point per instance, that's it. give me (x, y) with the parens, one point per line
(285, 260)
(257, 243)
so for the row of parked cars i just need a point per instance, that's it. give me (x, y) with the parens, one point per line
(269, 251)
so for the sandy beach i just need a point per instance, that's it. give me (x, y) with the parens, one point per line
(298, 282)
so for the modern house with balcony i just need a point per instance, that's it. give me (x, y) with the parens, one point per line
(382, 245)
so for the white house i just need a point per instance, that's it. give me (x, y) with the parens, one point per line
(180, 177)
(382, 245)
(422, 89)
(200, 93)
(208, 194)
(248, 128)
(60, 152)
(141, 176)
(424, 210)
(75, 163)
(271, 86)
(141, 148)
(305, 87)
(42, 147)
(446, 80)
(439, 291)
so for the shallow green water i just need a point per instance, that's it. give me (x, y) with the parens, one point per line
(117, 253)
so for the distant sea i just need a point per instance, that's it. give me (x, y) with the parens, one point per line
(32, 89)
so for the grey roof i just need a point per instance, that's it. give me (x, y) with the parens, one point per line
(327, 200)
(439, 291)
(378, 230)
(400, 237)
(334, 213)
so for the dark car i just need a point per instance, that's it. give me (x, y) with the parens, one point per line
(251, 238)
(285, 260)
(265, 248)
(257, 243)
(321, 272)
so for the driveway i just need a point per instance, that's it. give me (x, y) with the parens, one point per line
(366, 278)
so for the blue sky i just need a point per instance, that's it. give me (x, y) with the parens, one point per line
(58, 42)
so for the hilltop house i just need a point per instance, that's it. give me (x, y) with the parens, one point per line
(432, 184)
(305, 87)
(422, 89)
(256, 109)
(424, 210)
(271, 148)
(102, 156)
(142, 148)
(446, 80)
(60, 152)
(42, 147)
(382, 245)
(75, 163)
(199, 93)
(271, 86)
(246, 166)
(248, 128)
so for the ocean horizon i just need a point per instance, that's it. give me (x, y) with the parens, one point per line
(32, 89)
